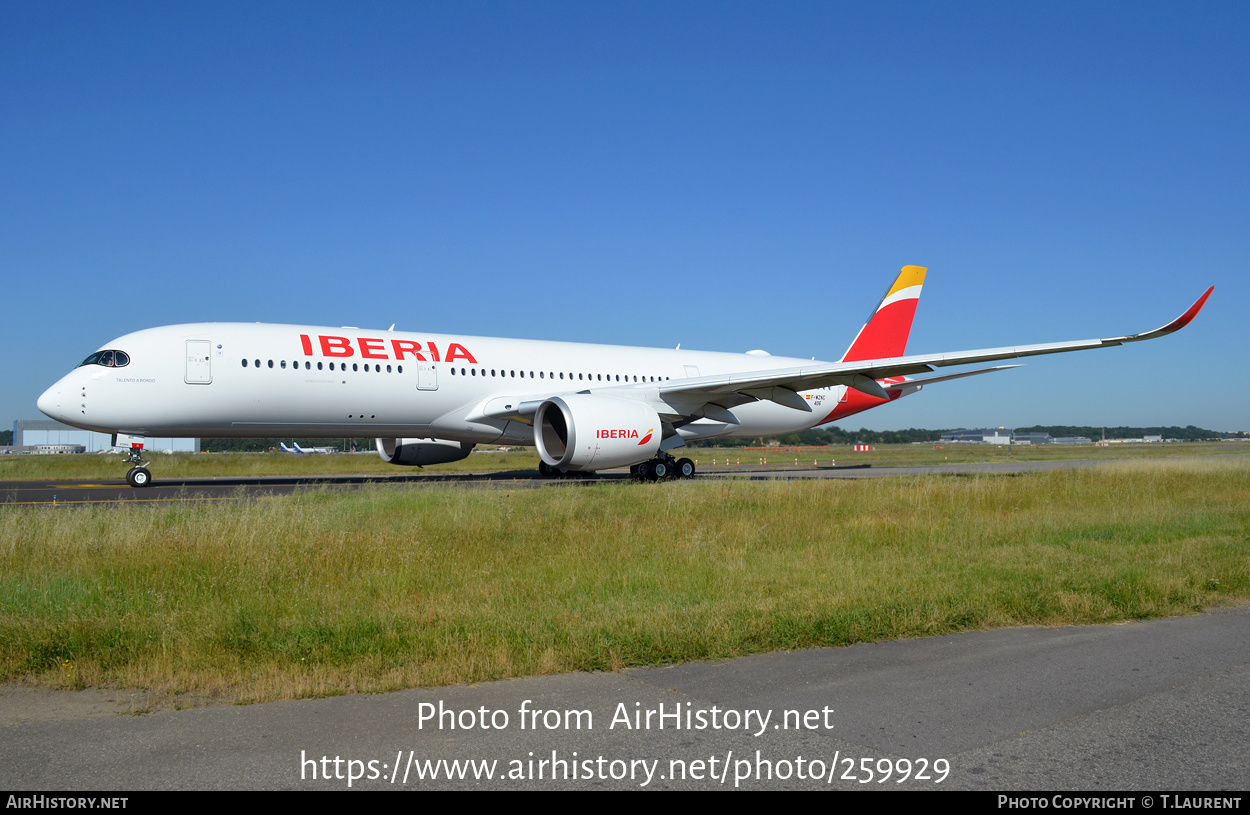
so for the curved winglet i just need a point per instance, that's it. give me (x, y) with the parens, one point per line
(1177, 324)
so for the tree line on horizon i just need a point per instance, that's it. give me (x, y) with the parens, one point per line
(838, 435)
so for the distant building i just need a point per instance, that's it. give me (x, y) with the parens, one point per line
(994, 435)
(29, 434)
(963, 436)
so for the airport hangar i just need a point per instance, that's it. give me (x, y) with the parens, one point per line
(49, 436)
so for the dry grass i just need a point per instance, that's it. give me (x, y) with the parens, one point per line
(324, 593)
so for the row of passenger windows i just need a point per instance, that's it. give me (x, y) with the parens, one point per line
(560, 375)
(342, 366)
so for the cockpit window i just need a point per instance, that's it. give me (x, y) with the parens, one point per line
(109, 359)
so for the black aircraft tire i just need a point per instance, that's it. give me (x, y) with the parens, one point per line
(685, 468)
(139, 477)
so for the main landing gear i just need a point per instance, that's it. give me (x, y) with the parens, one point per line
(662, 467)
(547, 471)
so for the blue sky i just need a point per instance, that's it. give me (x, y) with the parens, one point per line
(723, 175)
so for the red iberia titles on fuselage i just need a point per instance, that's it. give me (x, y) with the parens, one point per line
(376, 348)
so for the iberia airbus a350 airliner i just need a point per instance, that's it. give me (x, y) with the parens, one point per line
(428, 399)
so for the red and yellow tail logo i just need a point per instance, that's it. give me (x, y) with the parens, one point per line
(646, 438)
(885, 333)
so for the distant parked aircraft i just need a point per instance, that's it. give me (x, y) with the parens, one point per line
(299, 449)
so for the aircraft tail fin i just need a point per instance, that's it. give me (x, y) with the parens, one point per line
(885, 333)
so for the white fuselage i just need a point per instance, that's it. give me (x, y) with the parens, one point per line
(258, 380)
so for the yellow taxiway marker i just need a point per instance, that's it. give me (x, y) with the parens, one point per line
(119, 501)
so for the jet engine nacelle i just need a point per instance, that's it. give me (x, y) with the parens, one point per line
(588, 432)
(414, 452)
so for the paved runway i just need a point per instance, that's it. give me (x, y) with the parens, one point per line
(228, 488)
(234, 487)
(1155, 705)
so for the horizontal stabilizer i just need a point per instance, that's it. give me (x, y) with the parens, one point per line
(929, 380)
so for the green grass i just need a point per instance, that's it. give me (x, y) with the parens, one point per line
(390, 587)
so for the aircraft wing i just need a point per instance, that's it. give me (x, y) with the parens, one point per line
(782, 385)
(711, 396)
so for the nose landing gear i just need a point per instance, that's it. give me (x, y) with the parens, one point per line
(138, 475)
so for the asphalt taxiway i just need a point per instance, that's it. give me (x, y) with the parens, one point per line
(232, 488)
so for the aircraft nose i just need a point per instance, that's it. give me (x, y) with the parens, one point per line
(50, 402)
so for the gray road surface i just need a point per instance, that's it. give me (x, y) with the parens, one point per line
(1161, 705)
(71, 493)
